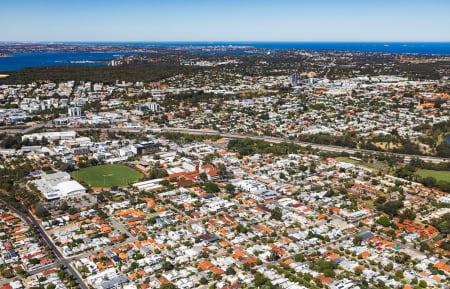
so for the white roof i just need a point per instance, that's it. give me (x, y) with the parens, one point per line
(67, 187)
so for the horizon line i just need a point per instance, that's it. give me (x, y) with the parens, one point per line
(214, 41)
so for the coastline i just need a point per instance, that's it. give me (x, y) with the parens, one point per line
(37, 59)
(24, 59)
(83, 61)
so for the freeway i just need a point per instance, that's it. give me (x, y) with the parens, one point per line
(25, 130)
(328, 148)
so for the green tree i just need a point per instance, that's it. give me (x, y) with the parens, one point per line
(392, 207)
(424, 247)
(408, 214)
(357, 240)
(229, 188)
(384, 221)
(329, 273)
(168, 286)
(380, 200)
(299, 257)
(277, 213)
(399, 274)
(389, 267)
(211, 187)
(230, 271)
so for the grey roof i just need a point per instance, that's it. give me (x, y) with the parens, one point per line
(366, 235)
(113, 283)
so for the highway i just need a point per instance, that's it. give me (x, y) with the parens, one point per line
(328, 148)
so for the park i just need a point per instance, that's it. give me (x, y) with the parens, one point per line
(108, 176)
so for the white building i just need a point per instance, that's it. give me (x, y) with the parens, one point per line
(74, 111)
(51, 135)
(58, 185)
(69, 189)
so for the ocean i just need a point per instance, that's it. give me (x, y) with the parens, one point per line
(389, 47)
(23, 60)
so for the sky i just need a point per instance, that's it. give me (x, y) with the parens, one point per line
(226, 20)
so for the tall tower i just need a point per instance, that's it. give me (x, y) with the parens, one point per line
(294, 79)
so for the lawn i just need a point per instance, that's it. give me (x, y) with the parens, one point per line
(438, 175)
(375, 166)
(108, 176)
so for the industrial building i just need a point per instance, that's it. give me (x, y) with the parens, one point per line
(58, 185)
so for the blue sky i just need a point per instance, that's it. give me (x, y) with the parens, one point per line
(228, 20)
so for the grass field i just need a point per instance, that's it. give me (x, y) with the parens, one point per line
(108, 175)
(375, 166)
(438, 175)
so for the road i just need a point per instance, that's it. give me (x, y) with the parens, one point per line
(328, 148)
(26, 130)
(343, 238)
(33, 272)
(59, 257)
(411, 248)
(58, 253)
(122, 229)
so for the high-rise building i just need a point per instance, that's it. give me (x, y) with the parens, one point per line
(149, 106)
(294, 79)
